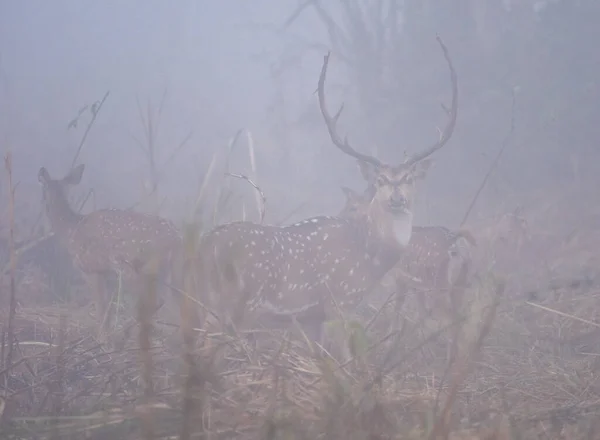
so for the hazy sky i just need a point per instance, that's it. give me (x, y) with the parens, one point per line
(57, 56)
(217, 60)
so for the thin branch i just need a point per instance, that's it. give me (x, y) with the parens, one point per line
(257, 188)
(252, 157)
(294, 15)
(494, 164)
(175, 152)
(161, 106)
(150, 124)
(95, 110)
(361, 37)
(228, 152)
(13, 266)
(338, 39)
(141, 115)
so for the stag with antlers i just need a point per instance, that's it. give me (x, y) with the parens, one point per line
(306, 271)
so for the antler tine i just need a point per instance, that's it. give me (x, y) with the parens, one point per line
(331, 122)
(447, 133)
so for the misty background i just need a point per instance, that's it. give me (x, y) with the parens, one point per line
(218, 67)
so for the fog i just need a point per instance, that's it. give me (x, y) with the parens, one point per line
(181, 108)
(218, 67)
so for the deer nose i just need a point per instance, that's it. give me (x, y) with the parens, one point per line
(398, 200)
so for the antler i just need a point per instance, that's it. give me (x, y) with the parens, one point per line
(332, 121)
(447, 133)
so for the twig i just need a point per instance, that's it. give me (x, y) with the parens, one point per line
(21, 250)
(149, 147)
(13, 265)
(566, 315)
(95, 110)
(188, 315)
(57, 385)
(219, 196)
(494, 164)
(252, 156)
(293, 212)
(462, 366)
(257, 188)
(146, 303)
(294, 15)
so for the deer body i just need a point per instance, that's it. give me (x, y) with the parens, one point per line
(297, 270)
(108, 240)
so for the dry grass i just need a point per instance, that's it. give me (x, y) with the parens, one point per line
(525, 364)
(534, 376)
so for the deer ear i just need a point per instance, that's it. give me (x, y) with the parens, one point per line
(368, 171)
(75, 175)
(421, 168)
(43, 176)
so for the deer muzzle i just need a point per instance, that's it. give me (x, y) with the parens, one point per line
(398, 203)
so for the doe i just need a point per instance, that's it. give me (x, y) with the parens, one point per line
(107, 241)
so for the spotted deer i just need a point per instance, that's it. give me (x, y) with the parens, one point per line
(106, 241)
(305, 271)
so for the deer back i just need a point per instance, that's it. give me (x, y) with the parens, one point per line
(121, 240)
(286, 270)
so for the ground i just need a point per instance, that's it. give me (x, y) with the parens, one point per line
(526, 364)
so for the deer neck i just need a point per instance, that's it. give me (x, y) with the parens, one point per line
(392, 232)
(378, 238)
(61, 216)
(401, 229)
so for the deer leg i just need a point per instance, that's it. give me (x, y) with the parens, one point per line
(457, 292)
(314, 330)
(164, 280)
(187, 279)
(146, 291)
(239, 310)
(313, 324)
(425, 319)
(417, 293)
(97, 281)
(457, 286)
(399, 302)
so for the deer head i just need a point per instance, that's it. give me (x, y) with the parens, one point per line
(391, 187)
(355, 205)
(54, 196)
